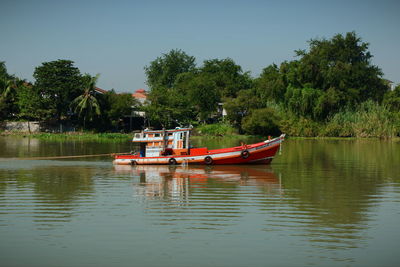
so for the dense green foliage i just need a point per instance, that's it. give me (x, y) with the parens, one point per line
(59, 83)
(263, 121)
(98, 137)
(163, 71)
(86, 105)
(116, 106)
(61, 93)
(330, 89)
(392, 99)
(8, 85)
(216, 129)
(191, 94)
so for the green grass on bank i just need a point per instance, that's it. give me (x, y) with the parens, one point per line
(84, 136)
(104, 137)
(216, 129)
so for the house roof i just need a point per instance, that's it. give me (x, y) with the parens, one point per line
(140, 93)
(99, 90)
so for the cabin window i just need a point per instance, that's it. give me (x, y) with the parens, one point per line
(184, 139)
(145, 135)
(157, 135)
(180, 136)
(169, 134)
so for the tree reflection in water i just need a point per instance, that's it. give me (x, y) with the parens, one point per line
(54, 191)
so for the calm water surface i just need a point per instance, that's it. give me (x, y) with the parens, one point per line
(320, 203)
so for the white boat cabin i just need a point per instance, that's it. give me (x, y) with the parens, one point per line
(163, 142)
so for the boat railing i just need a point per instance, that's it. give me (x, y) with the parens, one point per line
(141, 138)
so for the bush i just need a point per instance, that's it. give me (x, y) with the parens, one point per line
(216, 129)
(340, 125)
(294, 126)
(374, 120)
(369, 119)
(263, 122)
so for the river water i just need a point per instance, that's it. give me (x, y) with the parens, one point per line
(320, 203)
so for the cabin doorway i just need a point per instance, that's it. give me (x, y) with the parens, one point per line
(143, 149)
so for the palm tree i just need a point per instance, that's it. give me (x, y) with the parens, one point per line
(8, 93)
(86, 105)
(7, 86)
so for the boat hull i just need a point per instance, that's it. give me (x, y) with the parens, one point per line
(260, 153)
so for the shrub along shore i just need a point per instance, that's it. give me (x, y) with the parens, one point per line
(81, 136)
(223, 130)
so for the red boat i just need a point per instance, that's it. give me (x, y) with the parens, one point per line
(172, 147)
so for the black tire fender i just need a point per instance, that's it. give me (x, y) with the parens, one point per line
(172, 161)
(245, 154)
(208, 160)
(134, 162)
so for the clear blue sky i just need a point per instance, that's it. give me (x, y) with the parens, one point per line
(118, 38)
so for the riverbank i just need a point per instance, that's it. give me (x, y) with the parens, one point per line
(122, 137)
(197, 137)
(84, 136)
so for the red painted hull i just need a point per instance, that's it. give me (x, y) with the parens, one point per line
(260, 153)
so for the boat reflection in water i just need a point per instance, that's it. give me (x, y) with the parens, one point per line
(177, 182)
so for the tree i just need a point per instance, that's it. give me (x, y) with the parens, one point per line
(119, 105)
(241, 106)
(392, 99)
(203, 96)
(171, 108)
(3, 72)
(270, 84)
(59, 83)
(7, 87)
(5, 84)
(163, 71)
(30, 104)
(333, 74)
(86, 105)
(302, 101)
(227, 76)
(167, 104)
(8, 93)
(342, 63)
(262, 122)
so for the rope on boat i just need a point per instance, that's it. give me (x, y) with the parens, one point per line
(66, 157)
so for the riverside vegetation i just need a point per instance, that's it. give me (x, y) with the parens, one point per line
(75, 136)
(330, 89)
